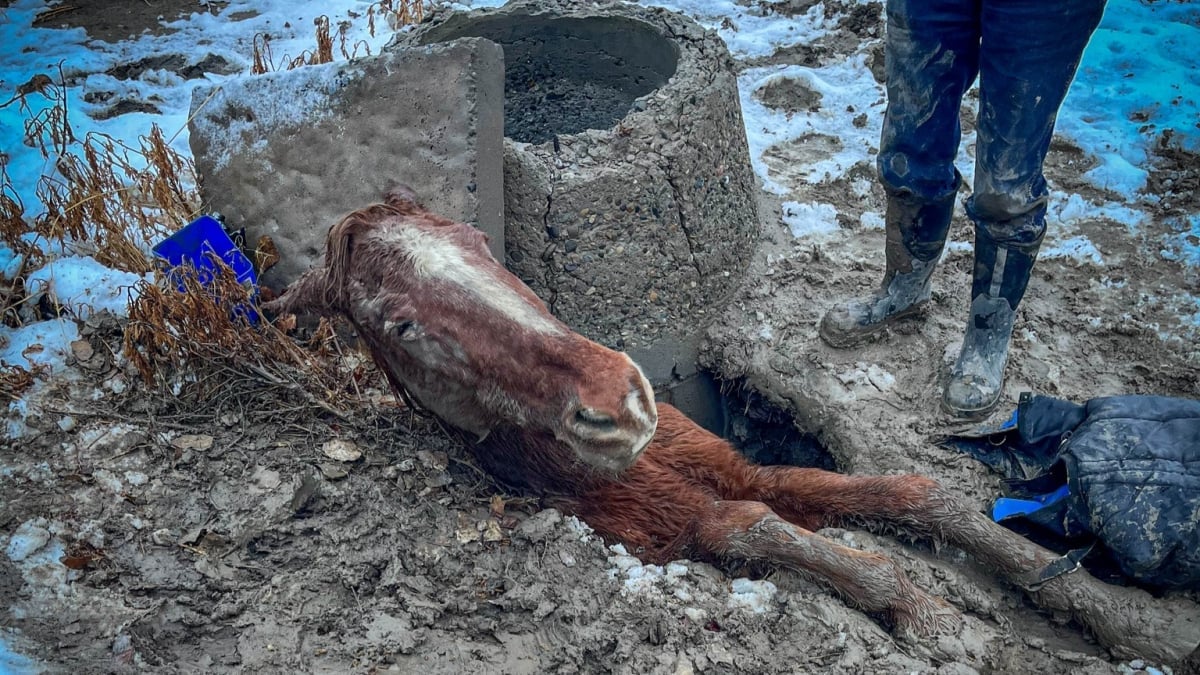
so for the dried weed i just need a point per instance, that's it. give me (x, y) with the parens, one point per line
(197, 345)
(15, 380)
(107, 199)
(396, 13)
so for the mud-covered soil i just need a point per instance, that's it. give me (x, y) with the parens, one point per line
(224, 539)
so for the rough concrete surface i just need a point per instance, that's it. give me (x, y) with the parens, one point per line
(287, 154)
(635, 224)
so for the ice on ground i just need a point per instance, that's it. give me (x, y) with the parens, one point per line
(40, 346)
(871, 220)
(29, 538)
(37, 553)
(954, 246)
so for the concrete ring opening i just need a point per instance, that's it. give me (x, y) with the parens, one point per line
(564, 75)
(629, 197)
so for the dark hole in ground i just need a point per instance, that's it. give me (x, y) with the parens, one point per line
(766, 434)
(565, 75)
(763, 432)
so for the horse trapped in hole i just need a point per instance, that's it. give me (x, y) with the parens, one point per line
(556, 415)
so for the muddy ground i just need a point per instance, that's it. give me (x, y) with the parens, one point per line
(159, 535)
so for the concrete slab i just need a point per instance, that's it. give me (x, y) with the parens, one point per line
(288, 154)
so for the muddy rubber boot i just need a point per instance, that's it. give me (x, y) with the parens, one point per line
(916, 233)
(1001, 276)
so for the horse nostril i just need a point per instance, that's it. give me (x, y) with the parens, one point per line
(595, 419)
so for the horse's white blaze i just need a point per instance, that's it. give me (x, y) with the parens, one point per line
(633, 403)
(435, 257)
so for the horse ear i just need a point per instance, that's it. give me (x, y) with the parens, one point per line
(403, 198)
(306, 295)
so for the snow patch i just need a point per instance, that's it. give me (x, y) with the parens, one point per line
(756, 596)
(83, 286)
(756, 30)
(1184, 246)
(12, 663)
(1139, 76)
(43, 344)
(871, 220)
(810, 220)
(1079, 248)
(282, 100)
(842, 86)
(29, 538)
(1073, 210)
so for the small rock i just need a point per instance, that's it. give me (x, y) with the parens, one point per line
(193, 442)
(466, 534)
(82, 349)
(163, 537)
(538, 527)
(332, 471)
(109, 480)
(341, 450)
(882, 379)
(266, 479)
(491, 531)
(434, 461)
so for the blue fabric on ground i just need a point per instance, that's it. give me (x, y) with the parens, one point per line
(1132, 466)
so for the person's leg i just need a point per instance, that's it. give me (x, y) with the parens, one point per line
(1028, 57)
(931, 51)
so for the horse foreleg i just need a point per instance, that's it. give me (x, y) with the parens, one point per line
(1127, 620)
(751, 530)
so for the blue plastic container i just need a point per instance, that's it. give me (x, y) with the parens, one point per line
(196, 246)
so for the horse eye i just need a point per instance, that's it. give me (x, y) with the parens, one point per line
(406, 330)
(593, 418)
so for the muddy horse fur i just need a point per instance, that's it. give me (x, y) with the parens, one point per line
(556, 415)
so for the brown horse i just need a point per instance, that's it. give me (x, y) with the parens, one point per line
(562, 417)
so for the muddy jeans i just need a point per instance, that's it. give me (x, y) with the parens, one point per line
(1025, 53)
